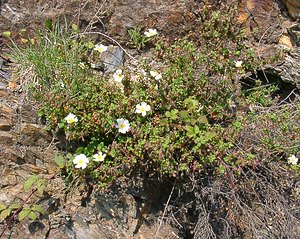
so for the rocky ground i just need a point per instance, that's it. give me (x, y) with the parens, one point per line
(27, 148)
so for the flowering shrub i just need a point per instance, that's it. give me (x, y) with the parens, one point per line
(165, 121)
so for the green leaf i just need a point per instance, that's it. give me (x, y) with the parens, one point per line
(90, 45)
(29, 182)
(164, 121)
(210, 135)
(24, 213)
(202, 119)
(222, 169)
(192, 131)
(79, 150)
(38, 208)
(14, 206)
(41, 189)
(196, 129)
(41, 185)
(48, 24)
(60, 161)
(32, 215)
(61, 125)
(172, 114)
(184, 114)
(41, 113)
(6, 34)
(191, 103)
(2, 207)
(5, 213)
(74, 27)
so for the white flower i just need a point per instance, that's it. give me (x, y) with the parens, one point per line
(118, 76)
(156, 75)
(93, 65)
(142, 108)
(62, 84)
(238, 64)
(100, 48)
(123, 125)
(150, 33)
(71, 118)
(81, 161)
(292, 159)
(231, 103)
(99, 157)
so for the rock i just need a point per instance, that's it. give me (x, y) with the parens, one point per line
(277, 37)
(113, 58)
(293, 7)
(5, 198)
(289, 69)
(84, 230)
(261, 18)
(5, 125)
(34, 156)
(4, 74)
(6, 138)
(6, 112)
(3, 84)
(57, 233)
(294, 33)
(16, 15)
(33, 135)
(173, 18)
(15, 191)
(14, 155)
(28, 114)
(3, 92)
(11, 13)
(9, 177)
(285, 41)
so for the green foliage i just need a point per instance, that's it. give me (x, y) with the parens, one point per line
(261, 94)
(6, 34)
(30, 212)
(5, 212)
(137, 39)
(190, 125)
(35, 182)
(60, 161)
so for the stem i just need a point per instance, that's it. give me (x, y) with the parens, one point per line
(17, 211)
(10, 220)
(227, 173)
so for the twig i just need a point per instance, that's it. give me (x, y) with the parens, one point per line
(165, 210)
(227, 173)
(17, 211)
(111, 39)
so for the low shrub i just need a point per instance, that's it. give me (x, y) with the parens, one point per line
(183, 113)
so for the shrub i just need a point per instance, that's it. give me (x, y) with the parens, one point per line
(182, 114)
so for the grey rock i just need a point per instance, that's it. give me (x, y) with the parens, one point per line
(4, 75)
(112, 59)
(11, 14)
